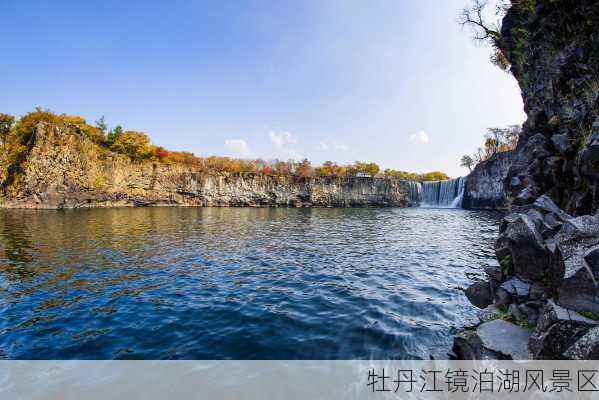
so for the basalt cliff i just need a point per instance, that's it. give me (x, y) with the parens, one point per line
(484, 187)
(62, 168)
(541, 299)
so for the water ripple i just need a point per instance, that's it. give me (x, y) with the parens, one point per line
(188, 283)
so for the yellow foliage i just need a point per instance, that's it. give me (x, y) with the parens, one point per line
(134, 144)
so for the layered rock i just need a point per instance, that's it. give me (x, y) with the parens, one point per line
(484, 187)
(63, 169)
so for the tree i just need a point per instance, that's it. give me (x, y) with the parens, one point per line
(304, 169)
(467, 161)
(114, 134)
(282, 167)
(161, 153)
(101, 124)
(433, 176)
(134, 144)
(6, 122)
(473, 17)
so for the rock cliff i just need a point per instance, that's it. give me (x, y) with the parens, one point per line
(546, 279)
(64, 169)
(484, 187)
(553, 48)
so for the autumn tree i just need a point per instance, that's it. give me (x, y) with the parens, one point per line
(304, 169)
(282, 167)
(134, 144)
(433, 176)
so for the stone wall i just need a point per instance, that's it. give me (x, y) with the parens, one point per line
(63, 169)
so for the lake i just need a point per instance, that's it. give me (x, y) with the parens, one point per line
(238, 283)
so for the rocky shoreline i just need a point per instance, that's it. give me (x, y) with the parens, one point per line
(541, 299)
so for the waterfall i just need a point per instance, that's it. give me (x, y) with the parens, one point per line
(443, 194)
(414, 191)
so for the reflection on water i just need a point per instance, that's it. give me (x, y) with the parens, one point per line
(219, 283)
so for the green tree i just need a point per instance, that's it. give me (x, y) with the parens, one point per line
(114, 134)
(6, 122)
(134, 144)
(467, 161)
(101, 124)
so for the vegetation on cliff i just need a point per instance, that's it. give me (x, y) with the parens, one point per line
(497, 140)
(16, 134)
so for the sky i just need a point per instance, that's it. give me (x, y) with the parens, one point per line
(394, 82)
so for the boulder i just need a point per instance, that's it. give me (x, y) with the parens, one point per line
(467, 346)
(493, 272)
(545, 205)
(557, 329)
(489, 313)
(585, 348)
(492, 340)
(538, 291)
(508, 340)
(501, 298)
(517, 289)
(531, 258)
(580, 289)
(479, 294)
(527, 313)
(561, 143)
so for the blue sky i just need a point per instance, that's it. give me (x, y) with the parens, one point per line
(395, 82)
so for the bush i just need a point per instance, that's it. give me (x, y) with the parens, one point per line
(6, 123)
(433, 176)
(134, 144)
(160, 153)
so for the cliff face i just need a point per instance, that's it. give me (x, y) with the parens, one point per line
(484, 188)
(63, 169)
(548, 260)
(553, 47)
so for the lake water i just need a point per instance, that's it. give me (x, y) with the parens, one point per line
(222, 283)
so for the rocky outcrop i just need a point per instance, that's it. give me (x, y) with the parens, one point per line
(484, 188)
(64, 169)
(553, 48)
(549, 245)
(547, 280)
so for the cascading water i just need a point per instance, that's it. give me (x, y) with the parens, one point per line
(414, 191)
(443, 194)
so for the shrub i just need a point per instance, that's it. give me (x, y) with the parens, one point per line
(6, 122)
(161, 153)
(183, 157)
(433, 176)
(134, 144)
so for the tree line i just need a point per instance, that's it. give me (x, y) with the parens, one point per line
(16, 133)
(497, 140)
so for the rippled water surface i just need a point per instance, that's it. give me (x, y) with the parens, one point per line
(221, 283)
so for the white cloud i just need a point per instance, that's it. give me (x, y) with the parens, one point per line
(420, 137)
(239, 147)
(332, 146)
(282, 142)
